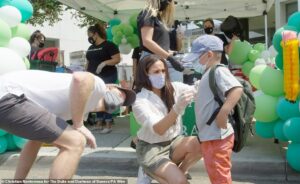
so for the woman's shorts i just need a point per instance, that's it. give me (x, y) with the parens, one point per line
(22, 117)
(152, 156)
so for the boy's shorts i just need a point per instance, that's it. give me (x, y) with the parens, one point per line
(22, 117)
(217, 159)
(152, 156)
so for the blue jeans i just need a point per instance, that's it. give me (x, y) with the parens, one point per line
(111, 79)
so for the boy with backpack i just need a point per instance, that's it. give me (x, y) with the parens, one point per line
(215, 132)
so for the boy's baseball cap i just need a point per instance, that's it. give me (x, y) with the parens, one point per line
(203, 44)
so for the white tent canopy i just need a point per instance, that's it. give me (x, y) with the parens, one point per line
(185, 9)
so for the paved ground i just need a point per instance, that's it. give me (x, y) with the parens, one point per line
(260, 162)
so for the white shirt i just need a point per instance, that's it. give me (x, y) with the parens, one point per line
(205, 104)
(49, 90)
(149, 109)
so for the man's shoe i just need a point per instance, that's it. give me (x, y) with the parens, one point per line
(106, 131)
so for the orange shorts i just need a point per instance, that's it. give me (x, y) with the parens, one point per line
(217, 159)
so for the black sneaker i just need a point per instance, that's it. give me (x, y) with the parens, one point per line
(133, 145)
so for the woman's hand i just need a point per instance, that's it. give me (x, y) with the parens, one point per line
(184, 99)
(100, 67)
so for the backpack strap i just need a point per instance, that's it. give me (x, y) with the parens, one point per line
(213, 87)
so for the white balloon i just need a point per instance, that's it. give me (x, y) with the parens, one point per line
(125, 48)
(258, 93)
(20, 45)
(260, 61)
(265, 54)
(272, 51)
(11, 15)
(10, 61)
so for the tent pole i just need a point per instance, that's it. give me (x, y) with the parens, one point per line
(298, 5)
(266, 28)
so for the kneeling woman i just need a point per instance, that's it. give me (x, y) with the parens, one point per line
(162, 151)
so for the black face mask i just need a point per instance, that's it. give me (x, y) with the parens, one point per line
(209, 30)
(41, 45)
(91, 40)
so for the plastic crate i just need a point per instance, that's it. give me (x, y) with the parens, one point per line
(43, 65)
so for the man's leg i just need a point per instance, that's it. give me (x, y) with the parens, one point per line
(71, 144)
(27, 158)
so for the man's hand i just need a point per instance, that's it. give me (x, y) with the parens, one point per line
(100, 67)
(91, 140)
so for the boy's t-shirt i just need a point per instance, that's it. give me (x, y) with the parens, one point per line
(205, 104)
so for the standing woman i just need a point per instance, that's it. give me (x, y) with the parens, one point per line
(162, 151)
(102, 57)
(153, 23)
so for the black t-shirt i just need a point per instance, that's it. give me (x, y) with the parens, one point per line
(160, 33)
(173, 39)
(99, 53)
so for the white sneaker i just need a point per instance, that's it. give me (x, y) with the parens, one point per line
(106, 131)
(142, 177)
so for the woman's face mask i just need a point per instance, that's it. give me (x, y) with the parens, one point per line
(91, 40)
(209, 30)
(158, 81)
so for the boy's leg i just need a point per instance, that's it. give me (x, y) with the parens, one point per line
(217, 159)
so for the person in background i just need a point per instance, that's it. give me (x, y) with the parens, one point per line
(37, 42)
(216, 139)
(36, 104)
(162, 151)
(102, 58)
(208, 25)
(153, 24)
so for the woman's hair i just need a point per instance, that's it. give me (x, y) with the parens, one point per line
(166, 15)
(36, 34)
(142, 79)
(98, 28)
(209, 20)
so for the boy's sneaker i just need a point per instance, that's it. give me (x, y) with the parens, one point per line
(142, 177)
(106, 131)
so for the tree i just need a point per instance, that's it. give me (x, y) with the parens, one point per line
(51, 11)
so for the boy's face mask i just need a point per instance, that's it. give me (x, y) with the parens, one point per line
(112, 101)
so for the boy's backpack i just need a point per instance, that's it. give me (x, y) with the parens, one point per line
(242, 117)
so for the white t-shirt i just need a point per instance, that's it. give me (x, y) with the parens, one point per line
(205, 104)
(49, 90)
(149, 109)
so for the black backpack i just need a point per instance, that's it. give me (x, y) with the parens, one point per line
(242, 117)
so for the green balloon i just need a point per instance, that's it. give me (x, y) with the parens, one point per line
(265, 129)
(291, 129)
(277, 38)
(255, 75)
(2, 132)
(271, 82)
(133, 22)
(286, 109)
(117, 40)
(133, 40)
(5, 34)
(24, 6)
(265, 108)
(109, 35)
(115, 30)
(279, 61)
(3, 144)
(21, 30)
(11, 145)
(253, 55)
(239, 53)
(292, 156)
(19, 141)
(278, 131)
(114, 22)
(246, 68)
(294, 20)
(260, 47)
(127, 30)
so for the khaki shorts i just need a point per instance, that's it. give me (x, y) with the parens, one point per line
(24, 118)
(152, 156)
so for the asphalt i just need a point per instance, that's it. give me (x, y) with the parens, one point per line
(114, 156)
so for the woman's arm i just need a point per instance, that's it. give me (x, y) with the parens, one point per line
(115, 59)
(147, 34)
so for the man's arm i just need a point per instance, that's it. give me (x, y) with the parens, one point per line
(81, 88)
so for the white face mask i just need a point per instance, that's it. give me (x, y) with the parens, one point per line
(199, 68)
(158, 81)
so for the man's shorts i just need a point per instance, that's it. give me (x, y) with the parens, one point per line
(22, 117)
(152, 156)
